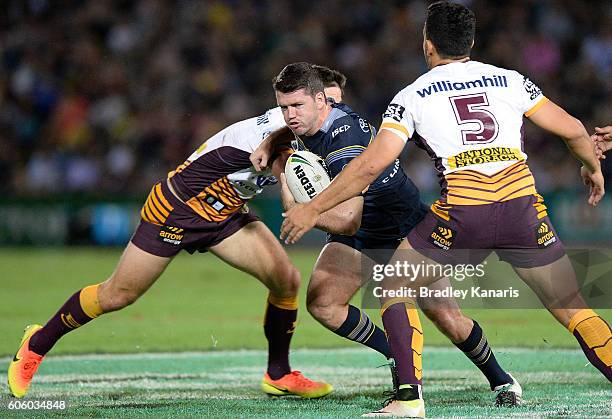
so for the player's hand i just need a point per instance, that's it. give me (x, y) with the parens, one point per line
(261, 156)
(603, 140)
(286, 196)
(605, 133)
(298, 221)
(595, 182)
(599, 147)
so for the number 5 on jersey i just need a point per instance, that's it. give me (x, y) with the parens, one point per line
(470, 110)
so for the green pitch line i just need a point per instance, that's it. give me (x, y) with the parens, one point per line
(225, 384)
(198, 304)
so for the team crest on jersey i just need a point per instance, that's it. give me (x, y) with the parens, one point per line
(395, 112)
(531, 88)
(545, 235)
(443, 236)
(172, 235)
(363, 124)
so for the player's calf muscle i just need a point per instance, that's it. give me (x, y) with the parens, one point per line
(452, 323)
(328, 312)
(326, 304)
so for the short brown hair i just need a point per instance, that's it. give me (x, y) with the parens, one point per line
(298, 76)
(331, 78)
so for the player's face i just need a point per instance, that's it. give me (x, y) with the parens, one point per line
(302, 112)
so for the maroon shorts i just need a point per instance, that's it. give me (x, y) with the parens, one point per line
(182, 228)
(518, 230)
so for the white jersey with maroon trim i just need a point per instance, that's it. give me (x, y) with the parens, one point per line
(218, 178)
(468, 116)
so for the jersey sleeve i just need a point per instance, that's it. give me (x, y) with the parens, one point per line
(347, 142)
(529, 95)
(397, 118)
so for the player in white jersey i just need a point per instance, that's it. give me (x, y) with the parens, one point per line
(200, 206)
(468, 116)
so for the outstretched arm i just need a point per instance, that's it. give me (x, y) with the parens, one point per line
(556, 120)
(262, 155)
(355, 177)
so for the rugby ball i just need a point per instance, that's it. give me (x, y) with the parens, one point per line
(306, 175)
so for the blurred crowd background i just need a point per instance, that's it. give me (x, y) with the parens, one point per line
(103, 97)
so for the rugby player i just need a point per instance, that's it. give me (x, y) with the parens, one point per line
(468, 116)
(379, 219)
(200, 206)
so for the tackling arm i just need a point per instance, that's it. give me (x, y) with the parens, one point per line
(262, 155)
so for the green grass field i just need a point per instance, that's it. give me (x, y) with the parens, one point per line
(192, 346)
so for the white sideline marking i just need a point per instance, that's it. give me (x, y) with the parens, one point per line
(241, 353)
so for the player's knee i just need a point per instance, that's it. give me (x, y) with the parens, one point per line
(320, 304)
(113, 299)
(119, 301)
(284, 280)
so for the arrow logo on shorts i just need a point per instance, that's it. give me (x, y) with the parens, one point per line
(446, 232)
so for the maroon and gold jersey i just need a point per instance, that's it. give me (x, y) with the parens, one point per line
(218, 178)
(468, 116)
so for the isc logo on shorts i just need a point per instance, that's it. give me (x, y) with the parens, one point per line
(545, 235)
(172, 235)
(443, 236)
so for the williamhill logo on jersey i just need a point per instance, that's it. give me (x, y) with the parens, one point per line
(172, 235)
(448, 86)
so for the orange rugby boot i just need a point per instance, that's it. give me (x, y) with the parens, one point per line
(24, 364)
(295, 383)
